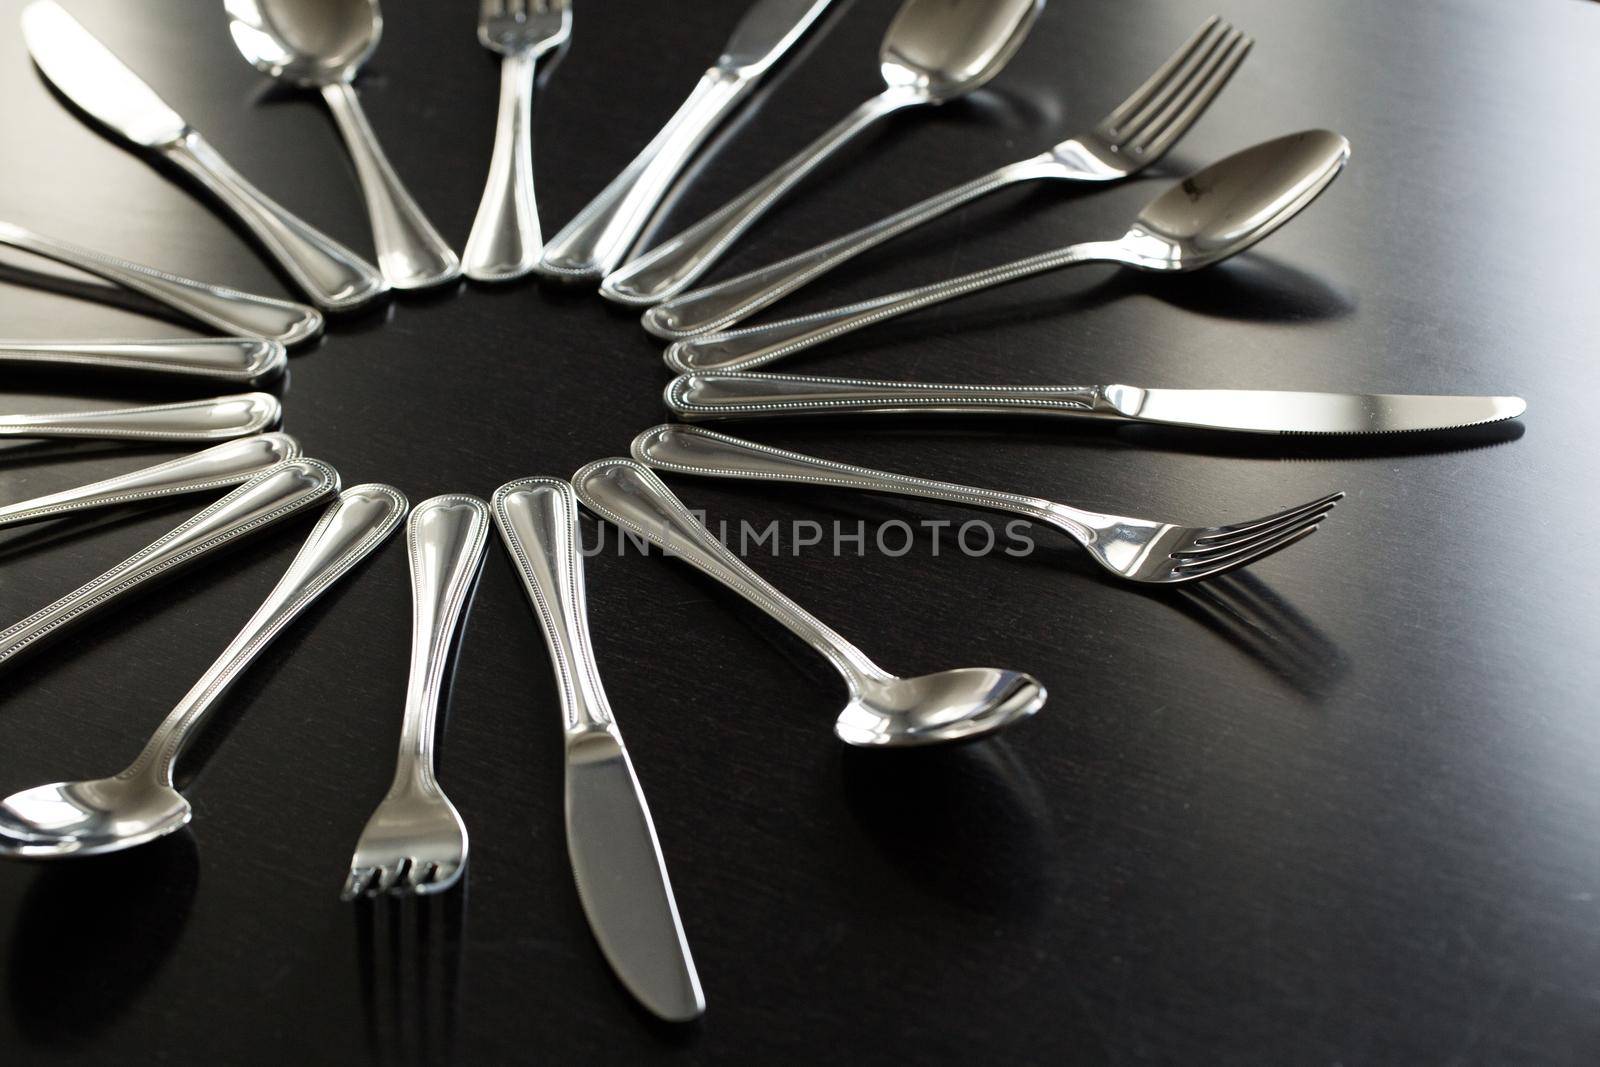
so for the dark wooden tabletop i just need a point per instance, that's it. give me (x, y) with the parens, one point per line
(1342, 808)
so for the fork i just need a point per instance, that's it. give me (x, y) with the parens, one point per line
(505, 241)
(415, 842)
(1134, 135)
(1139, 550)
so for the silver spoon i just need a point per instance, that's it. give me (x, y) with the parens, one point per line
(140, 804)
(884, 711)
(934, 51)
(1205, 218)
(320, 44)
(247, 360)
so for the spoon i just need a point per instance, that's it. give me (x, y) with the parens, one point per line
(934, 51)
(884, 711)
(320, 44)
(140, 804)
(1205, 218)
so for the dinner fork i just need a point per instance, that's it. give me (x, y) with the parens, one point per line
(1134, 135)
(415, 842)
(1140, 550)
(505, 241)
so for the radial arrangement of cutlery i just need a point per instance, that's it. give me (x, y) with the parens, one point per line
(598, 237)
(321, 44)
(611, 839)
(933, 52)
(883, 710)
(97, 82)
(1134, 135)
(505, 241)
(1199, 221)
(1140, 550)
(141, 804)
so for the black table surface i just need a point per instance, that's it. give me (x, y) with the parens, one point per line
(1340, 808)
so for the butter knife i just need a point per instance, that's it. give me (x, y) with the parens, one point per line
(228, 310)
(616, 859)
(215, 419)
(231, 359)
(754, 395)
(271, 495)
(219, 466)
(596, 240)
(86, 72)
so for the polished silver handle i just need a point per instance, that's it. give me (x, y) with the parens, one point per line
(214, 419)
(445, 538)
(228, 310)
(728, 396)
(693, 450)
(755, 346)
(598, 237)
(672, 266)
(505, 238)
(219, 466)
(411, 253)
(233, 359)
(266, 498)
(715, 307)
(538, 521)
(359, 521)
(631, 496)
(333, 276)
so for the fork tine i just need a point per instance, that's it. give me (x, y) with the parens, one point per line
(1215, 553)
(418, 874)
(384, 880)
(1226, 533)
(1156, 113)
(1140, 96)
(354, 884)
(1235, 562)
(488, 9)
(1157, 138)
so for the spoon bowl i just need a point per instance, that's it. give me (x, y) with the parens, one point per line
(311, 43)
(1225, 208)
(956, 705)
(88, 818)
(942, 50)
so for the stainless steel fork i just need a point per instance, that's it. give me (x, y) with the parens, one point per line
(1140, 550)
(1134, 135)
(505, 241)
(415, 842)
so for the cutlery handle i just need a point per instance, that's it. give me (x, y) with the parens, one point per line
(215, 419)
(598, 237)
(228, 310)
(717, 306)
(411, 253)
(333, 276)
(632, 497)
(692, 450)
(221, 465)
(726, 396)
(672, 266)
(360, 520)
(538, 521)
(226, 358)
(757, 346)
(266, 498)
(445, 538)
(505, 239)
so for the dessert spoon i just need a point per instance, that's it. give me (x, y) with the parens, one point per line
(934, 51)
(883, 710)
(231, 359)
(1214, 213)
(216, 418)
(140, 804)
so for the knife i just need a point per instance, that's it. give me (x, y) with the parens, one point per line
(86, 72)
(751, 395)
(599, 236)
(616, 859)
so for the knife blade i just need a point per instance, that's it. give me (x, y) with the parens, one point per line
(97, 81)
(732, 394)
(616, 859)
(768, 30)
